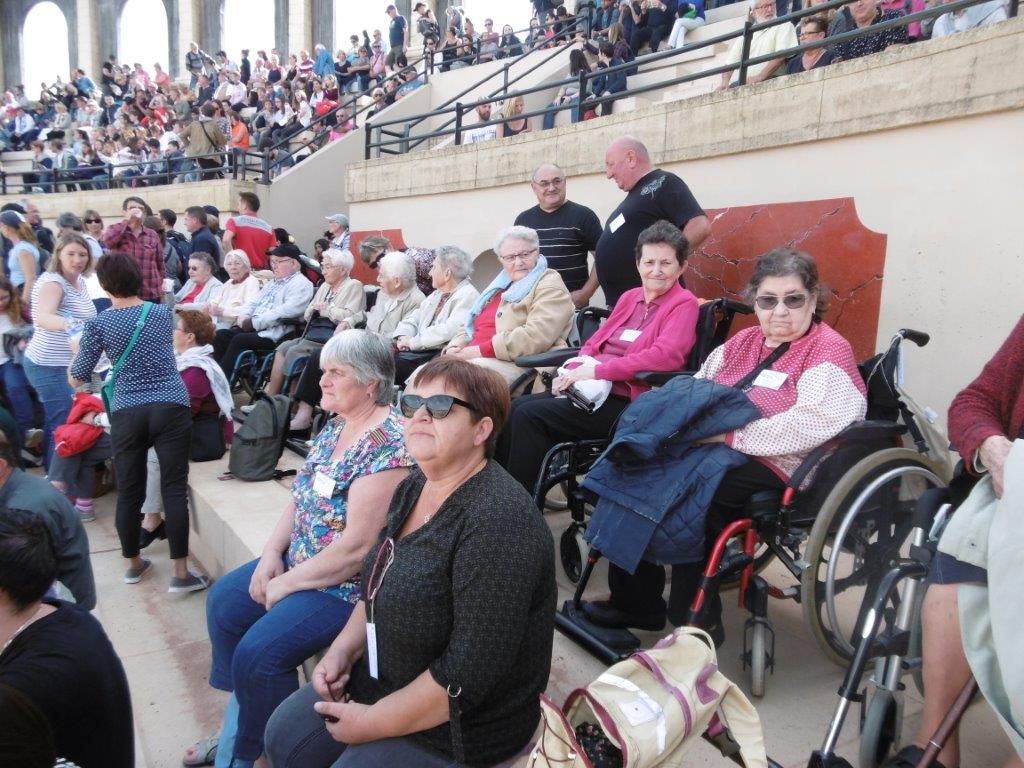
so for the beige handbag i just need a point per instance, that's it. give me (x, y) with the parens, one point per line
(653, 707)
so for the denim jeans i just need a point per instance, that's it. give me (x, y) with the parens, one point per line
(17, 388)
(549, 117)
(256, 652)
(297, 738)
(51, 385)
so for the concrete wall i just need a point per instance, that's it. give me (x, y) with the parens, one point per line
(907, 134)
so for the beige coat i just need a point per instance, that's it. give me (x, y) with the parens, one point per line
(202, 137)
(348, 304)
(538, 323)
(387, 313)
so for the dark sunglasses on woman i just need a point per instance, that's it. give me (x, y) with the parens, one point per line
(793, 301)
(438, 406)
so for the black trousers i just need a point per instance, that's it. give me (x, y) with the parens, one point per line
(167, 428)
(308, 388)
(641, 592)
(537, 422)
(407, 362)
(654, 35)
(229, 343)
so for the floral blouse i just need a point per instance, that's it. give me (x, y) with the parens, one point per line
(320, 490)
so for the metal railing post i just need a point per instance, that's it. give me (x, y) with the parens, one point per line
(579, 98)
(3, 182)
(458, 123)
(1014, 8)
(367, 130)
(746, 52)
(265, 167)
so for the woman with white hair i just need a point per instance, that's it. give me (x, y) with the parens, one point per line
(399, 298)
(240, 290)
(442, 314)
(201, 284)
(338, 304)
(525, 310)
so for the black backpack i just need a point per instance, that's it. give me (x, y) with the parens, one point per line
(259, 442)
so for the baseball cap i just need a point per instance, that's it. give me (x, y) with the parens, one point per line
(11, 218)
(339, 218)
(212, 210)
(287, 250)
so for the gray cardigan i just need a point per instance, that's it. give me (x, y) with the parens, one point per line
(210, 290)
(424, 334)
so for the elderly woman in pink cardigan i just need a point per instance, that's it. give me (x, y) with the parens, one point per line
(652, 328)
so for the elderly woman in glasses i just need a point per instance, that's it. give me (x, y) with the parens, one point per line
(652, 328)
(810, 393)
(266, 617)
(201, 285)
(442, 661)
(525, 310)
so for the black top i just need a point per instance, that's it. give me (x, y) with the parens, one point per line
(203, 241)
(566, 235)
(658, 195)
(872, 42)
(471, 597)
(396, 31)
(796, 64)
(66, 665)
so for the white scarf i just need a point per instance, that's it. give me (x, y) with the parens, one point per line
(201, 357)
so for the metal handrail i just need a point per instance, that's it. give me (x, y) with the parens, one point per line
(631, 67)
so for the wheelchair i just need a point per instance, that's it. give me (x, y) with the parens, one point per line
(843, 519)
(891, 641)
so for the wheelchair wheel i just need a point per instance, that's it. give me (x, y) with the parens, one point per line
(881, 729)
(758, 658)
(860, 531)
(573, 550)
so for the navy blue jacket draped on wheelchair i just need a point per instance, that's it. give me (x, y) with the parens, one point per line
(655, 482)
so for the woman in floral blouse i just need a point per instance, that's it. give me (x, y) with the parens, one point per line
(266, 617)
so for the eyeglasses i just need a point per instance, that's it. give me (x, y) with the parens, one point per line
(524, 256)
(438, 406)
(93, 221)
(550, 184)
(792, 301)
(807, 32)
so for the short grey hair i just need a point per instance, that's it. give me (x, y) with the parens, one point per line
(518, 233)
(399, 264)
(457, 260)
(205, 258)
(339, 258)
(369, 358)
(69, 221)
(242, 256)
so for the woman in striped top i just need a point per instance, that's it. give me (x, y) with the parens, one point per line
(60, 304)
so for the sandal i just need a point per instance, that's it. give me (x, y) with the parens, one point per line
(908, 757)
(204, 751)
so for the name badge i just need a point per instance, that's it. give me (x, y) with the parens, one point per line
(630, 335)
(770, 379)
(371, 648)
(323, 485)
(617, 222)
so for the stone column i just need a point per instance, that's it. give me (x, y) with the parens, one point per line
(90, 55)
(323, 23)
(189, 16)
(300, 26)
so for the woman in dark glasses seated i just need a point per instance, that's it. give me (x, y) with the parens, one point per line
(443, 659)
(807, 394)
(265, 618)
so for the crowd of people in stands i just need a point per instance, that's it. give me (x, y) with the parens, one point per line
(411, 553)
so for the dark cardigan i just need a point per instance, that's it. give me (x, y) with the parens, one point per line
(470, 596)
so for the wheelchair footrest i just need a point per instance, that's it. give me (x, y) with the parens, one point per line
(606, 643)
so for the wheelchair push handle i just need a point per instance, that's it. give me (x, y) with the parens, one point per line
(920, 338)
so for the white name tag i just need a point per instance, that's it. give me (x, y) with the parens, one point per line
(323, 485)
(617, 222)
(630, 335)
(371, 648)
(770, 379)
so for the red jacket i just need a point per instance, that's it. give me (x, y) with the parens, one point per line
(992, 404)
(74, 437)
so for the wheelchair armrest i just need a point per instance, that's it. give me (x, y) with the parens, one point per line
(858, 431)
(660, 378)
(550, 359)
(738, 307)
(602, 313)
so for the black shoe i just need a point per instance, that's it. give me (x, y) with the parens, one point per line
(908, 757)
(148, 537)
(603, 613)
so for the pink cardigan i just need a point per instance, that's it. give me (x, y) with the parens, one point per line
(663, 345)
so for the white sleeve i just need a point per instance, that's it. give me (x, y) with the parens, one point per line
(827, 402)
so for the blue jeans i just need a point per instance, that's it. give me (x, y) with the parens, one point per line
(51, 385)
(17, 388)
(256, 652)
(549, 117)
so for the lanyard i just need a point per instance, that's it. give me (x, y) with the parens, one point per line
(385, 557)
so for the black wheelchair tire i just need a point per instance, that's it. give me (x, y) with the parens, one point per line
(881, 729)
(572, 551)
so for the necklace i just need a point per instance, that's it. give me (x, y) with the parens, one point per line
(20, 629)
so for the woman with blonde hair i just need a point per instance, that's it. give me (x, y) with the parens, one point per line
(23, 256)
(512, 124)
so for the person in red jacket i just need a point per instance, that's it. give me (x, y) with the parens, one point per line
(984, 420)
(652, 328)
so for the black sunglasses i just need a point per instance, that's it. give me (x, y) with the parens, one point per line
(93, 221)
(438, 406)
(793, 301)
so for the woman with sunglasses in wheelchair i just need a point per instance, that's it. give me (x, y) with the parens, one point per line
(652, 328)
(446, 654)
(809, 391)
